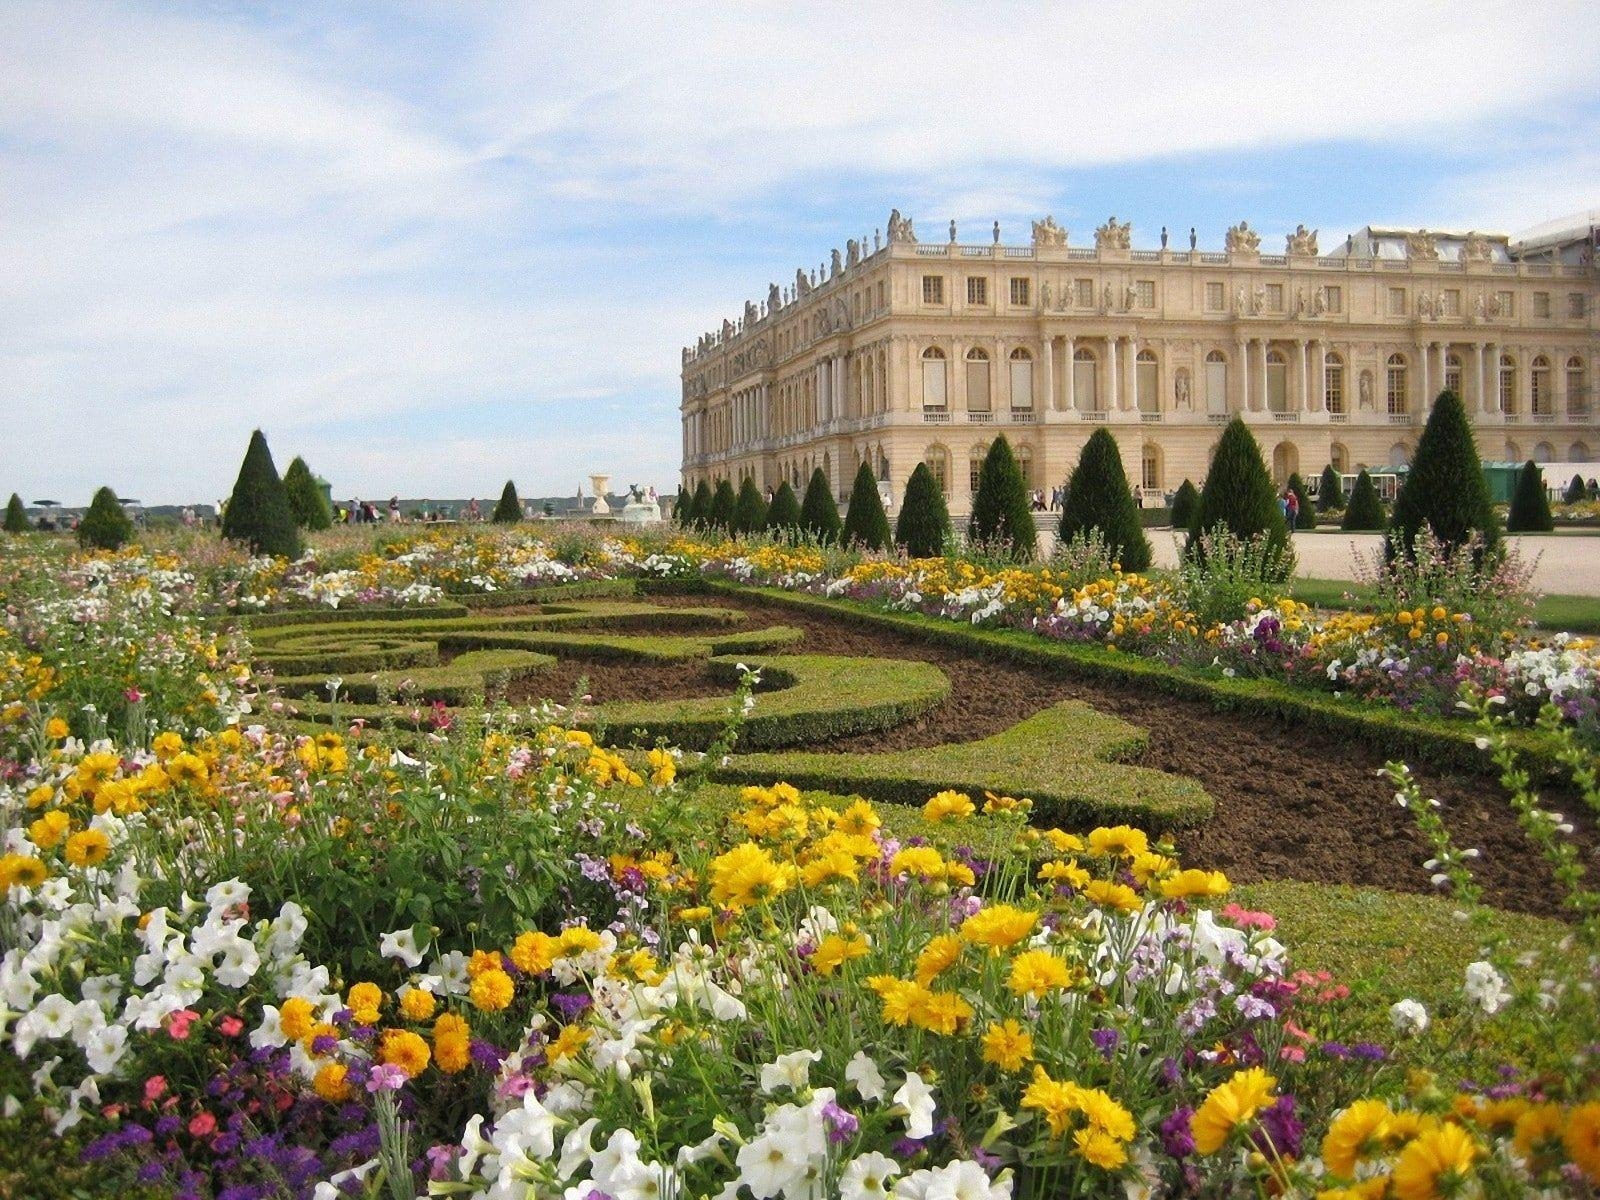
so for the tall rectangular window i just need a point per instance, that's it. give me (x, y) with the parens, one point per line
(1541, 304)
(1333, 386)
(977, 289)
(1144, 293)
(1397, 302)
(1214, 297)
(1021, 290)
(1575, 305)
(1274, 297)
(1336, 298)
(933, 289)
(1507, 303)
(1452, 302)
(1085, 293)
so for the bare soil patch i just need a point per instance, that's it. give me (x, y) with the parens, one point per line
(608, 682)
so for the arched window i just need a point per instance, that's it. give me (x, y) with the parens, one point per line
(977, 380)
(1084, 372)
(1577, 389)
(1544, 452)
(975, 457)
(1216, 382)
(1333, 383)
(938, 460)
(1397, 383)
(1452, 373)
(1021, 379)
(1277, 382)
(1508, 384)
(1150, 467)
(1513, 451)
(934, 390)
(1540, 399)
(1578, 452)
(1025, 464)
(1285, 462)
(1399, 454)
(1339, 457)
(1144, 382)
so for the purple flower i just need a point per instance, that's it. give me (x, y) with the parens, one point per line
(1280, 1129)
(1335, 1049)
(570, 1004)
(486, 1055)
(1170, 1074)
(1177, 1139)
(842, 1125)
(324, 1044)
(1105, 1041)
(1370, 1051)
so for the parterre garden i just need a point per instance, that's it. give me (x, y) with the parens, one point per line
(560, 865)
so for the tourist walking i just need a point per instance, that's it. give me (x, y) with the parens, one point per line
(1291, 508)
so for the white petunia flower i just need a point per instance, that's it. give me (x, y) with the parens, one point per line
(866, 1077)
(402, 944)
(916, 1097)
(1486, 988)
(1408, 1017)
(792, 1071)
(867, 1177)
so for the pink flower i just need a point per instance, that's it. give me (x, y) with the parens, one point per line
(231, 1026)
(178, 1023)
(133, 695)
(1245, 919)
(386, 1078)
(202, 1125)
(154, 1087)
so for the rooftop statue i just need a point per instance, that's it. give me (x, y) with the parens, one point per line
(1421, 245)
(1243, 240)
(1303, 242)
(900, 229)
(1112, 236)
(1048, 233)
(1476, 248)
(802, 285)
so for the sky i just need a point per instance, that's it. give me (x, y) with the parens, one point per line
(434, 246)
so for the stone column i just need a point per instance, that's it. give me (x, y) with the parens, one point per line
(1114, 383)
(1321, 400)
(840, 404)
(1427, 372)
(1068, 349)
(1131, 368)
(1243, 362)
(1476, 403)
(1491, 353)
(1264, 400)
(1303, 400)
(1049, 373)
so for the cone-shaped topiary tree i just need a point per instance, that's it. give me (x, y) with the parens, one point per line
(819, 515)
(258, 512)
(865, 523)
(1574, 495)
(1238, 492)
(509, 510)
(1530, 506)
(1098, 497)
(105, 526)
(1306, 517)
(1001, 516)
(1445, 487)
(700, 507)
(1330, 490)
(1184, 505)
(749, 509)
(783, 514)
(1365, 511)
(306, 500)
(17, 516)
(923, 528)
(723, 502)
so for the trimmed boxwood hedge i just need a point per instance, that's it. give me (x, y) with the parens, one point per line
(555, 593)
(1070, 760)
(471, 678)
(341, 616)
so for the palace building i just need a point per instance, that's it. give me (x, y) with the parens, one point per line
(923, 351)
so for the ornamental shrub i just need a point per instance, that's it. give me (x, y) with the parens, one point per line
(1330, 491)
(699, 515)
(1530, 505)
(723, 502)
(1575, 491)
(1306, 518)
(783, 514)
(1098, 498)
(105, 526)
(1184, 504)
(865, 523)
(1002, 519)
(1238, 494)
(509, 510)
(749, 509)
(258, 512)
(1445, 487)
(819, 515)
(1365, 510)
(17, 516)
(306, 499)
(923, 528)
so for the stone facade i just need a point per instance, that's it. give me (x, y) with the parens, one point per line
(923, 351)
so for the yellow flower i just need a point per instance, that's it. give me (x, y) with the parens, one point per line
(1057, 1100)
(663, 767)
(1099, 1148)
(1108, 894)
(404, 1049)
(834, 951)
(900, 997)
(922, 861)
(1358, 1132)
(56, 729)
(1064, 842)
(1118, 839)
(748, 875)
(948, 805)
(363, 1002)
(937, 956)
(578, 939)
(20, 870)
(295, 1018)
(1229, 1106)
(330, 1083)
(1069, 873)
(492, 990)
(568, 1042)
(1582, 1139)
(1007, 1045)
(1437, 1164)
(860, 819)
(165, 745)
(945, 1013)
(1539, 1129)
(452, 1047)
(418, 1005)
(534, 952)
(187, 770)
(88, 848)
(47, 832)
(1037, 972)
(483, 960)
(825, 868)
(1194, 882)
(998, 926)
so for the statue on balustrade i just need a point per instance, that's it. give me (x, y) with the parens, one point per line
(774, 299)
(952, 229)
(1047, 233)
(727, 330)
(852, 253)
(1476, 248)
(802, 285)
(1242, 239)
(835, 264)
(750, 317)
(1114, 236)
(900, 229)
(1303, 242)
(1422, 245)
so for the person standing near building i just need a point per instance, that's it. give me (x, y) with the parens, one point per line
(1291, 508)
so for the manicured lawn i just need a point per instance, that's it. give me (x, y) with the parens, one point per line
(1573, 614)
